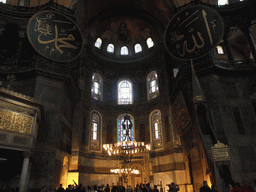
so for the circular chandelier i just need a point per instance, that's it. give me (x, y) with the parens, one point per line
(125, 171)
(126, 148)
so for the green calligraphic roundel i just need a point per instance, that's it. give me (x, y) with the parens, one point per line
(55, 36)
(193, 32)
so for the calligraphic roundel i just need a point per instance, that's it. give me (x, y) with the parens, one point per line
(193, 32)
(55, 36)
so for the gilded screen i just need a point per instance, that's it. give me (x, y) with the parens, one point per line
(16, 122)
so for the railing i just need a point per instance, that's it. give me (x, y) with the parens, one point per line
(236, 64)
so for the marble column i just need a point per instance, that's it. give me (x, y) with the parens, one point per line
(227, 46)
(24, 172)
(248, 34)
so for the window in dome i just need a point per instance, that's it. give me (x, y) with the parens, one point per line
(222, 2)
(175, 72)
(156, 129)
(123, 122)
(150, 42)
(125, 92)
(152, 85)
(124, 50)
(98, 43)
(137, 48)
(2, 1)
(97, 87)
(110, 48)
(95, 130)
(220, 50)
(251, 56)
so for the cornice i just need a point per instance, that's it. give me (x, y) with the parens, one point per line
(18, 97)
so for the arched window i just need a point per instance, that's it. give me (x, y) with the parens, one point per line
(2, 1)
(222, 2)
(125, 92)
(137, 48)
(110, 48)
(220, 50)
(175, 72)
(98, 43)
(125, 128)
(152, 85)
(124, 50)
(97, 87)
(150, 42)
(251, 56)
(156, 129)
(95, 130)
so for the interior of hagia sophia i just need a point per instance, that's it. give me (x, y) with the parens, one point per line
(91, 94)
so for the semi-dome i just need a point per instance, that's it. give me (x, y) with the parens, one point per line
(124, 38)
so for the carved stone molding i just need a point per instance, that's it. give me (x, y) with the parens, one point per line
(19, 95)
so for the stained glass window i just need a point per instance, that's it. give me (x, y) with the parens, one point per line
(124, 50)
(98, 43)
(110, 48)
(97, 87)
(137, 48)
(125, 92)
(152, 85)
(125, 134)
(150, 42)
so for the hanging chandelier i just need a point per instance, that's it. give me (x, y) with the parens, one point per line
(126, 148)
(125, 171)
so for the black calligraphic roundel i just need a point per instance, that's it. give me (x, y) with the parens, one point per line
(55, 36)
(194, 32)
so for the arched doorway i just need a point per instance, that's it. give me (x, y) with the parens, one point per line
(136, 178)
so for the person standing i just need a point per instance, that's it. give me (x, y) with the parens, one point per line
(205, 187)
(155, 189)
(173, 187)
(129, 189)
(60, 188)
(107, 189)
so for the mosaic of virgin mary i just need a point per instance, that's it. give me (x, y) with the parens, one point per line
(124, 34)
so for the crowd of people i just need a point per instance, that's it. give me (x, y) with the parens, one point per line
(233, 187)
(114, 188)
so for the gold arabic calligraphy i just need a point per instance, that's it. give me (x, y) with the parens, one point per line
(45, 30)
(185, 46)
(178, 38)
